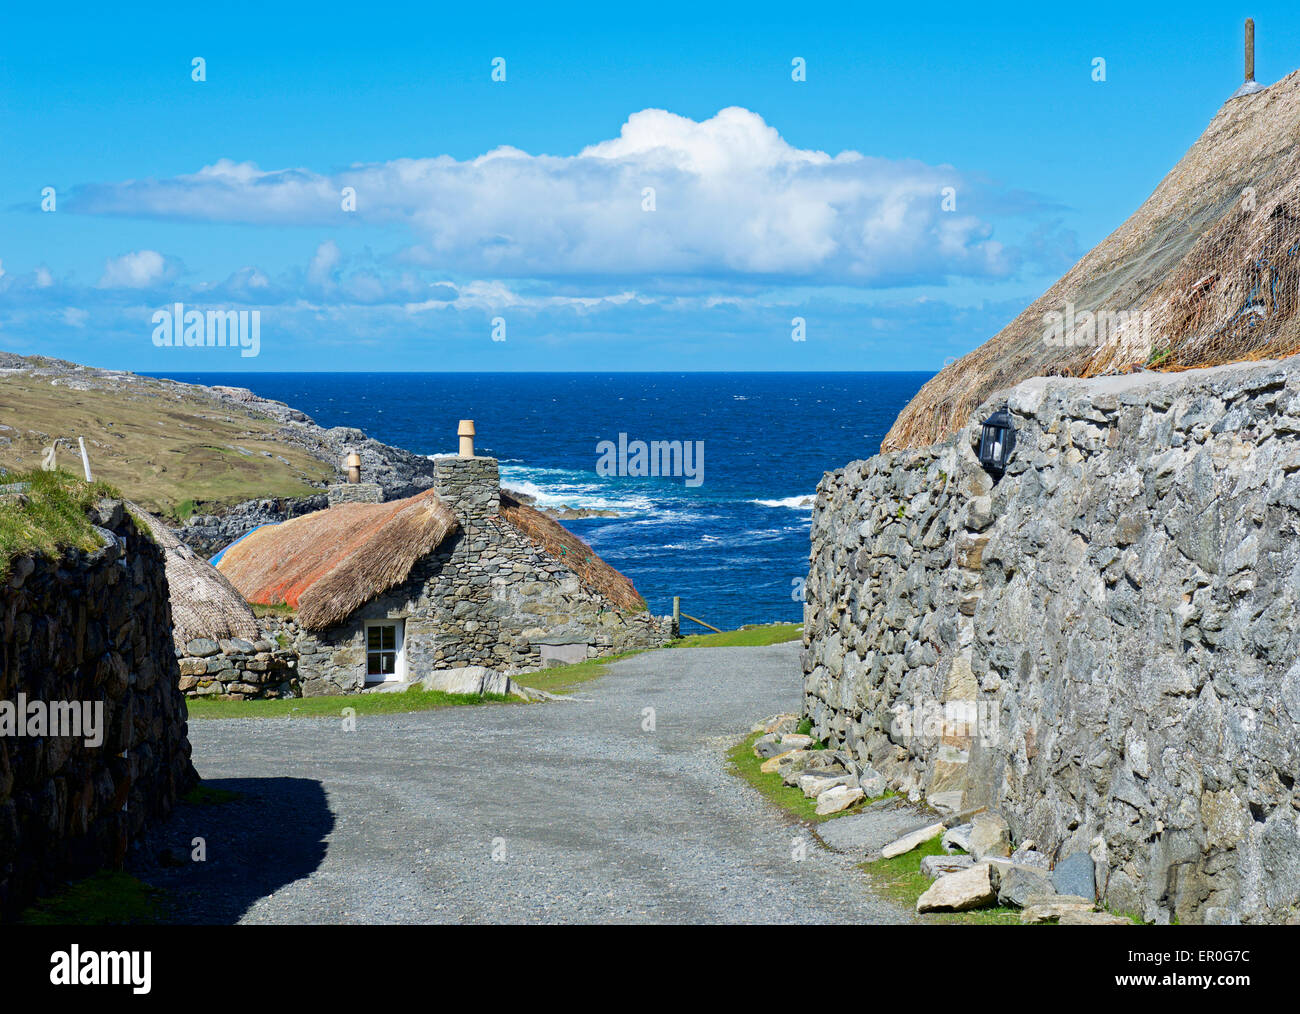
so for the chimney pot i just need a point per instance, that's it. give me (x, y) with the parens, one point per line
(466, 433)
(354, 466)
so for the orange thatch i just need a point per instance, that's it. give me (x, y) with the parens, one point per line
(562, 545)
(329, 563)
(1207, 271)
(204, 603)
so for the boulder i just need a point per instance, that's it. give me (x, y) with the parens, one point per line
(936, 866)
(960, 891)
(813, 783)
(237, 646)
(1075, 875)
(1025, 856)
(957, 838)
(1045, 910)
(989, 836)
(773, 745)
(910, 841)
(202, 647)
(872, 782)
(1017, 884)
(773, 764)
(465, 680)
(1081, 918)
(837, 798)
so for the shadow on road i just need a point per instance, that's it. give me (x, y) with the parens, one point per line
(270, 835)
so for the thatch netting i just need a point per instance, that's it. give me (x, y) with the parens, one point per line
(204, 603)
(329, 563)
(562, 545)
(1203, 273)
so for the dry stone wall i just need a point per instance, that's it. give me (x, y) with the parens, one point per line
(1103, 645)
(87, 629)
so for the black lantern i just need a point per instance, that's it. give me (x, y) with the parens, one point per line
(997, 441)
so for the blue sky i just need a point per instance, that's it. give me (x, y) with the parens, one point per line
(524, 199)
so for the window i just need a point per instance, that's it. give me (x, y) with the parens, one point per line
(384, 655)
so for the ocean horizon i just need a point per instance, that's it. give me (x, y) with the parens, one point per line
(734, 546)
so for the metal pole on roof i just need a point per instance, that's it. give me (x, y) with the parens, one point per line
(1250, 49)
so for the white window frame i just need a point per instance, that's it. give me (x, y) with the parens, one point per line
(399, 667)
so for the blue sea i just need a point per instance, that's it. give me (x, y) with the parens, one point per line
(735, 547)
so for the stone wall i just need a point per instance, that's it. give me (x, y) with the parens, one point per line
(1103, 645)
(88, 628)
(240, 670)
(354, 492)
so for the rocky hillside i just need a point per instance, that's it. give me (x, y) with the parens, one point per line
(220, 457)
(1206, 270)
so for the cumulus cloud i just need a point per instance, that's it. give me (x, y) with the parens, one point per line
(731, 199)
(136, 270)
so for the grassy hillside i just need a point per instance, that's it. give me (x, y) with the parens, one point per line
(165, 446)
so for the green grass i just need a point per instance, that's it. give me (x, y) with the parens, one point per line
(332, 707)
(107, 898)
(901, 880)
(560, 678)
(747, 766)
(746, 637)
(203, 795)
(53, 517)
(162, 445)
(281, 609)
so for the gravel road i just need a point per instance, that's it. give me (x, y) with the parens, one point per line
(591, 817)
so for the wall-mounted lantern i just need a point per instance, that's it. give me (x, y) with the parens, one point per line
(997, 441)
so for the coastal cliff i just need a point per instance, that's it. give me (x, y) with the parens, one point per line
(1101, 645)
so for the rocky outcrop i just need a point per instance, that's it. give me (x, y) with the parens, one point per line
(89, 634)
(1102, 646)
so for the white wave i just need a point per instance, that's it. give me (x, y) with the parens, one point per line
(803, 503)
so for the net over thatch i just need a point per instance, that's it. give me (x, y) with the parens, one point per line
(204, 603)
(562, 545)
(1203, 273)
(329, 563)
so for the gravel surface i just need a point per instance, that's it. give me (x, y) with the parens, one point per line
(592, 818)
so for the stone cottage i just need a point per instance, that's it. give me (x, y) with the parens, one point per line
(461, 574)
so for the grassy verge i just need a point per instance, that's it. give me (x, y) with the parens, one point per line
(747, 766)
(745, 637)
(901, 880)
(53, 516)
(560, 678)
(204, 795)
(107, 898)
(332, 707)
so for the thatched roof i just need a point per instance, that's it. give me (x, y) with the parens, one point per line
(329, 563)
(204, 603)
(1213, 255)
(562, 545)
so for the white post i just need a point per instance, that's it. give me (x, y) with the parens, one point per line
(85, 461)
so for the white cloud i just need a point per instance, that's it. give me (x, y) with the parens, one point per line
(732, 199)
(136, 270)
(324, 263)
